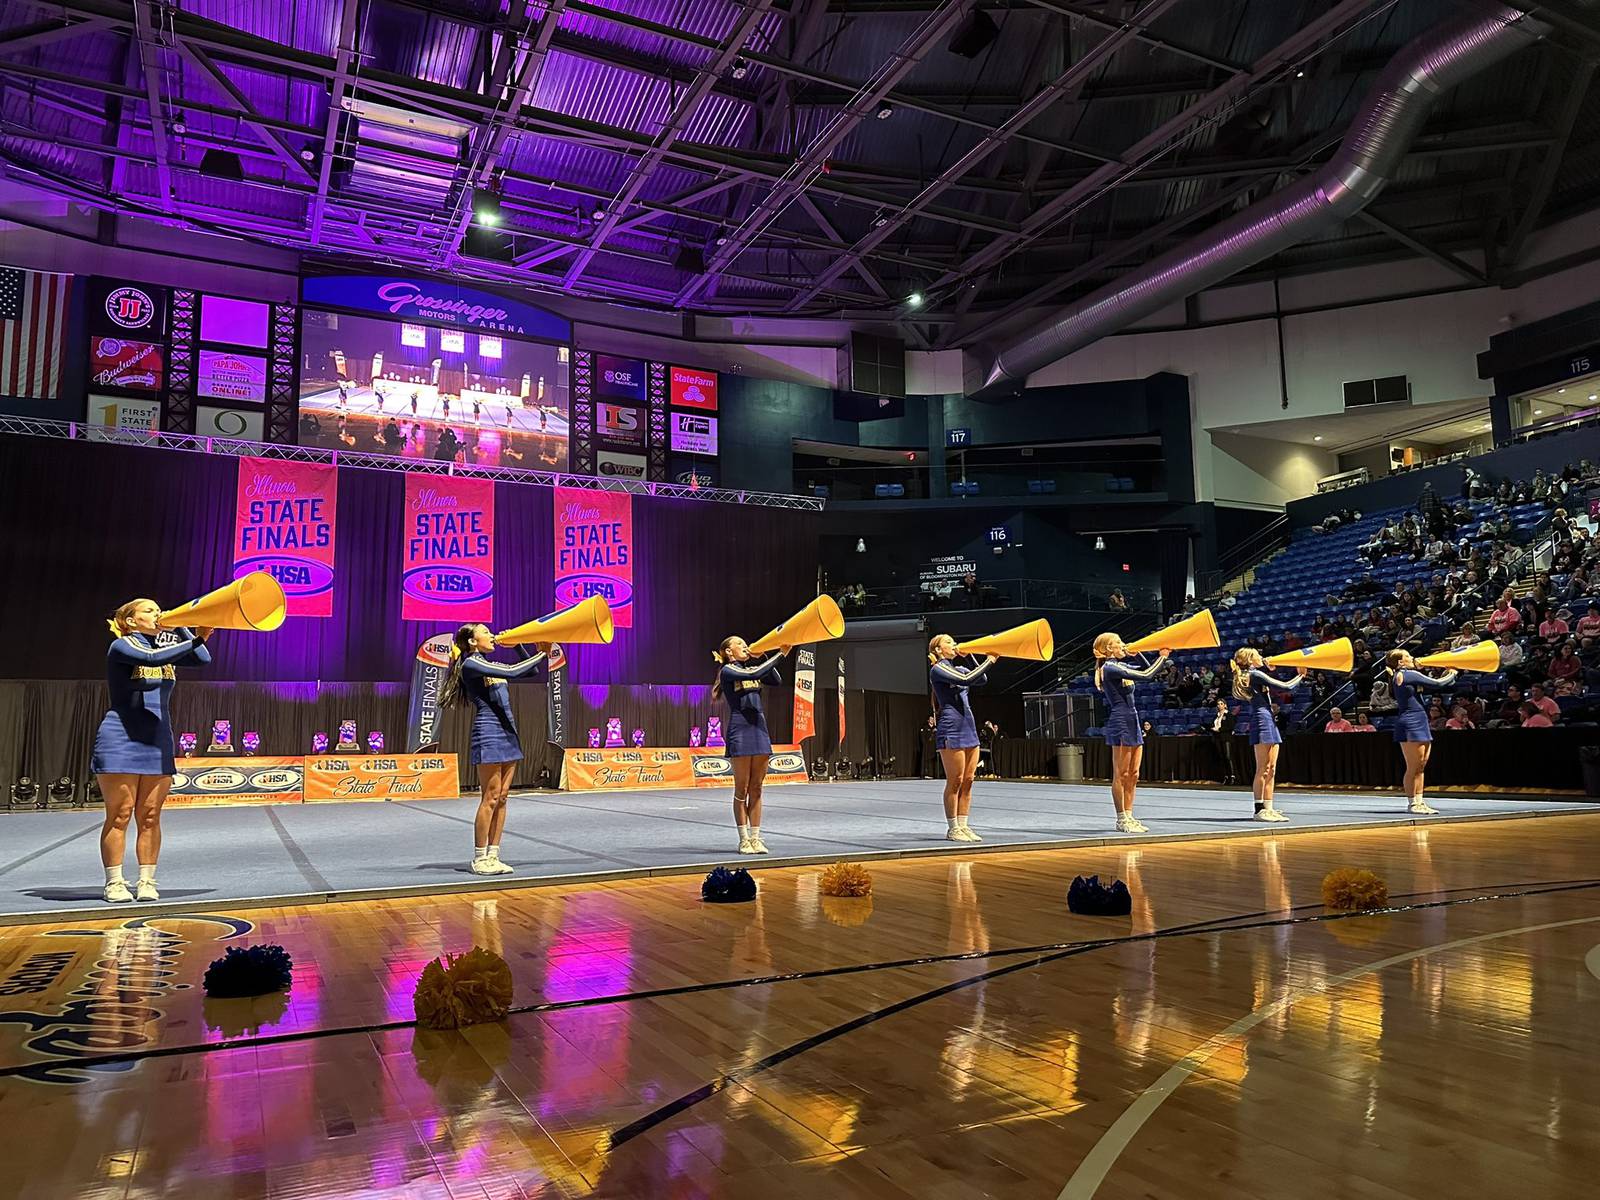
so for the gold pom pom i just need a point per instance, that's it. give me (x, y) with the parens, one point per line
(465, 989)
(845, 879)
(1350, 889)
(847, 912)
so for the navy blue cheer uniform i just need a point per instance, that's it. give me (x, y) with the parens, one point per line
(1263, 728)
(135, 737)
(956, 730)
(494, 729)
(1116, 689)
(746, 730)
(1411, 723)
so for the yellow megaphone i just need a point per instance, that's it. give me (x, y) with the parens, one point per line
(819, 621)
(1481, 656)
(1198, 632)
(1033, 640)
(253, 601)
(1337, 655)
(588, 621)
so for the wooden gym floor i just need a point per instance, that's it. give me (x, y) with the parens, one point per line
(958, 1035)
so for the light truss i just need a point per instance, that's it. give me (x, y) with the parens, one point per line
(234, 448)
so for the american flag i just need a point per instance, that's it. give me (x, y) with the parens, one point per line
(33, 327)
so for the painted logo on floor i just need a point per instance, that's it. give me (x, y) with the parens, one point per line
(116, 1008)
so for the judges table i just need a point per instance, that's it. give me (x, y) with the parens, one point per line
(1528, 759)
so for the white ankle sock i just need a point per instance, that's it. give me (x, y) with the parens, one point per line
(755, 833)
(480, 851)
(961, 822)
(494, 851)
(147, 871)
(952, 824)
(114, 875)
(744, 833)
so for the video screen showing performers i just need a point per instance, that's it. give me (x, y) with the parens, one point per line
(424, 391)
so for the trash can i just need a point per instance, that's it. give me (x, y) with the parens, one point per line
(1069, 763)
(1589, 761)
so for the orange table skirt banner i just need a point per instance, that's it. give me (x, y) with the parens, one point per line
(668, 767)
(264, 780)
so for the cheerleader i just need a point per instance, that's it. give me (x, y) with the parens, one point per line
(1114, 679)
(1253, 685)
(956, 733)
(496, 749)
(133, 750)
(739, 682)
(1411, 722)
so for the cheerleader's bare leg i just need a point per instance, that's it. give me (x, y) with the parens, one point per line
(120, 792)
(969, 772)
(752, 805)
(147, 805)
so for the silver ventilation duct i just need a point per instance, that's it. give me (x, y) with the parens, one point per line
(1390, 118)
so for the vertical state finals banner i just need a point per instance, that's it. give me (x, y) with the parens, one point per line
(594, 550)
(284, 524)
(449, 563)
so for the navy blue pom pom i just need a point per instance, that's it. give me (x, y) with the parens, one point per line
(723, 886)
(250, 971)
(1089, 898)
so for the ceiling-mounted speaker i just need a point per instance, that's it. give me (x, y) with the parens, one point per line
(491, 245)
(222, 164)
(691, 260)
(974, 35)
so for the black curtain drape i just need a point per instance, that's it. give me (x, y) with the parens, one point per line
(1174, 570)
(89, 525)
(1523, 759)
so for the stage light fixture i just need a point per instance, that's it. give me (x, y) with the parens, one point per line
(62, 792)
(914, 300)
(24, 793)
(861, 545)
(599, 214)
(486, 207)
(880, 219)
(740, 68)
(885, 111)
(1099, 542)
(722, 241)
(308, 155)
(1316, 437)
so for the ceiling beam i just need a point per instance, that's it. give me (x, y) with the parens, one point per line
(47, 33)
(240, 105)
(1550, 165)
(150, 63)
(810, 163)
(510, 87)
(345, 57)
(1040, 103)
(743, 30)
(1412, 242)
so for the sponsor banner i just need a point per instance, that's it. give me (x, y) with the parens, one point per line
(693, 434)
(611, 465)
(841, 700)
(224, 375)
(416, 298)
(670, 767)
(233, 322)
(428, 671)
(805, 694)
(381, 777)
(118, 413)
(449, 549)
(695, 472)
(594, 550)
(116, 362)
(619, 425)
(136, 310)
(233, 423)
(693, 389)
(622, 378)
(948, 568)
(284, 524)
(243, 780)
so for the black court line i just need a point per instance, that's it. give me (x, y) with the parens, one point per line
(1043, 954)
(526, 837)
(43, 850)
(687, 1101)
(301, 860)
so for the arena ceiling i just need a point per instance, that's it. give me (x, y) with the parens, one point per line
(769, 157)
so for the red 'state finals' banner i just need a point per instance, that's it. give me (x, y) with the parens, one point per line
(284, 524)
(594, 550)
(449, 564)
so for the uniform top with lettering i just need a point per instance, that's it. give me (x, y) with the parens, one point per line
(484, 681)
(140, 677)
(741, 685)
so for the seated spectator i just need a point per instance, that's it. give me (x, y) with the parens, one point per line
(1532, 718)
(1117, 602)
(1504, 618)
(1538, 698)
(1510, 651)
(1510, 710)
(1589, 623)
(1554, 627)
(1465, 636)
(1364, 724)
(1459, 719)
(1337, 723)
(1291, 641)
(1566, 664)
(1362, 588)
(1436, 716)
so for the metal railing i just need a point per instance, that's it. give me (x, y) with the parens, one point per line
(196, 444)
(950, 596)
(1251, 552)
